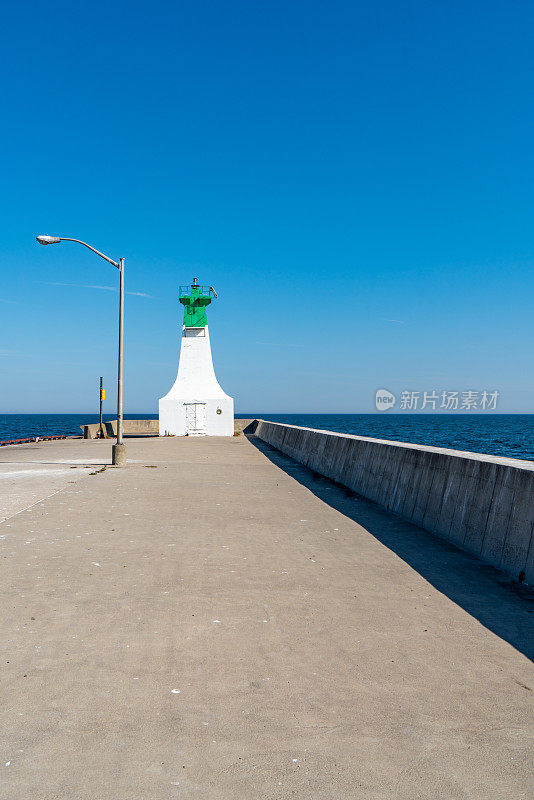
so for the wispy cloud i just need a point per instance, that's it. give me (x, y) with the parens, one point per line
(399, 321)
(11, 302)
(92, 286)
(279, 344)
(78, 285)
(10, 353)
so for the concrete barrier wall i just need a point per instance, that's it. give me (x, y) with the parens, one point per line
(151, 426)
(130, 426)
(245, 425)
(90, 431)
(483, 504)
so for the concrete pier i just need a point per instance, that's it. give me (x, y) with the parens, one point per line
(215, 621)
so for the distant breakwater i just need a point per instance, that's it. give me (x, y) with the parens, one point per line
(509, 435)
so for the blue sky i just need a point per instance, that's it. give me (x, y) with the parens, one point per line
(355, 179)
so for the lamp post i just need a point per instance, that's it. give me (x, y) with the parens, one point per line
(118, 450)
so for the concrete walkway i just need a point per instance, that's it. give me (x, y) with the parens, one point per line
(212, 623)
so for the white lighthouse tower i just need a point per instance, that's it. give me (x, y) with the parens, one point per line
(196, 405)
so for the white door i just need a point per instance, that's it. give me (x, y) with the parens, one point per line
(200, 415)
(195, 419)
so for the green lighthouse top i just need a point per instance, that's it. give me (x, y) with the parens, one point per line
(195, 298)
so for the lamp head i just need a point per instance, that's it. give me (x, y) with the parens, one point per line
(48, 239)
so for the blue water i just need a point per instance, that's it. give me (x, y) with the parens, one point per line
(20, 426)
(510, 435)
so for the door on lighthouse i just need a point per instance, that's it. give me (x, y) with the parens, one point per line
(195, 419)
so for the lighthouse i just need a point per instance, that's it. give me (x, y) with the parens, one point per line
(196, 405)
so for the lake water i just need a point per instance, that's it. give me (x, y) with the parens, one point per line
(510, 435)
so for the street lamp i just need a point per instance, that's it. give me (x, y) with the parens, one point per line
(118, 450)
